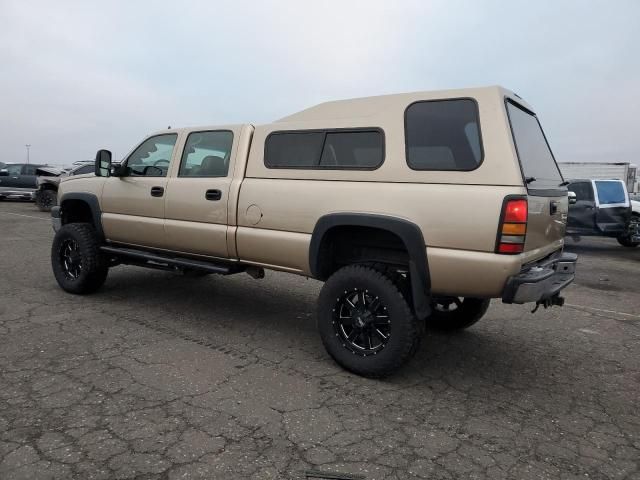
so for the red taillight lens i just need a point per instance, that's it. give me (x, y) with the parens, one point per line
(510, 247)
(515, 211)
(513, 228)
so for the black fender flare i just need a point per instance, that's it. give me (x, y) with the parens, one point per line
(407, 231)
(91, 200)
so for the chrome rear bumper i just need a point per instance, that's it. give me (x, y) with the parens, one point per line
(541, 281)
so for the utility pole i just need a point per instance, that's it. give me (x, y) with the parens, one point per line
(28, 146)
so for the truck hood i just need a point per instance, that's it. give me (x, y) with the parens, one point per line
(48, 171)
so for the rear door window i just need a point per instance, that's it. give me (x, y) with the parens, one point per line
(583, 190)
(539, 168)
(207, 154)
(29, 169)
(443, 135)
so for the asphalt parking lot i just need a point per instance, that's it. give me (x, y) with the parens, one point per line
(169, 377)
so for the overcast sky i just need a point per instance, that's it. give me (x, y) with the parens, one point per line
(78, 76)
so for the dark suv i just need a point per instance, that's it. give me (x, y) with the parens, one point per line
(18, 180)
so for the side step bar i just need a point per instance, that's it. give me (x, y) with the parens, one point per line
(157, 260)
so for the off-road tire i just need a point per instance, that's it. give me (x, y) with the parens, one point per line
(94, 265)
(466, 314)
(45, 199)
(625, 240)
(405, 331)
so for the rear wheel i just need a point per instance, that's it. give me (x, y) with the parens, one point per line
(45, 199)
(366, 323)
(78, 264)
(455, 313)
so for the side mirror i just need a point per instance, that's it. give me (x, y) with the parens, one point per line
(118, 170)
(103, 163)
(4, 172)
(572, 198)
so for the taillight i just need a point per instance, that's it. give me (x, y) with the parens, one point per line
(513, 226)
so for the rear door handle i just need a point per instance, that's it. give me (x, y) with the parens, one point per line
(157, 191)
(213, 195)
(553, 207)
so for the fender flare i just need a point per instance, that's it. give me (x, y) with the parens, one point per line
(407, 231)
(94, 205)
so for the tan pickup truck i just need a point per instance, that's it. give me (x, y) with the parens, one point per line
(414, 209)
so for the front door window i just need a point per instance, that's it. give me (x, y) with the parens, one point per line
(14, 170)
(152, 157)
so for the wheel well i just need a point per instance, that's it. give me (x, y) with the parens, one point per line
(76, 211)
(346, 245)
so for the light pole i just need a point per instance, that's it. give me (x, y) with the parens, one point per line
(28, 146)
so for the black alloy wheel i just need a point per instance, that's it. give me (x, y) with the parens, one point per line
(362, 322)
(70, 259)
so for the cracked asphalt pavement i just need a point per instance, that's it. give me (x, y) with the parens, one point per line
(158, 376)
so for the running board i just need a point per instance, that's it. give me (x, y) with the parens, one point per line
(156, 260)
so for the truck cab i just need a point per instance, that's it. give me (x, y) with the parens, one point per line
(602, 208)
(18, 180)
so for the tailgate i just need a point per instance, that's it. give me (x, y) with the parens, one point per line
(546, 223)
(548, 204)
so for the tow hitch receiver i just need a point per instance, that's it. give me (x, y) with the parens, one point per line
(549, 302)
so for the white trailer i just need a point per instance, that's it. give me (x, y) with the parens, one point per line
(600, 171)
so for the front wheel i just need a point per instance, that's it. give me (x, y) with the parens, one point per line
(78, 264)
(626, 242)
(365, 322)
(45, 199)
(453, 313)
(634, 226)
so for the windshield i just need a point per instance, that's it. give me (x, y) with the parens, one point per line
(611, 192)
(538, 165)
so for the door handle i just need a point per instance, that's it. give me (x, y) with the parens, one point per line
(157, 191)
(553, 207)
(213, 195)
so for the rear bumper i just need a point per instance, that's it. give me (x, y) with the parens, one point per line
(541, 281)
